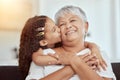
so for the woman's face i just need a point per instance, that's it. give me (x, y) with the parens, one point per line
(52, 32)
(72, 27)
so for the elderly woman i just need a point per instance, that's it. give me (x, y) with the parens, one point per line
(73, 24)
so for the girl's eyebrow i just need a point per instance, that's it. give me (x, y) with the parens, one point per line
(53, 28)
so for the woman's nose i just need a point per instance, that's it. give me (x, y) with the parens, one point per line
(68, 25)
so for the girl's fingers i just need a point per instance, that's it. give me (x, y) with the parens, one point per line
(54, 55)
(90, 63)
(89, 58)
(83, 56)
(94, 67)
(98, 66)
(103, 65)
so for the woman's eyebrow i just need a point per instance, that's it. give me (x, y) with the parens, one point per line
(61, 21)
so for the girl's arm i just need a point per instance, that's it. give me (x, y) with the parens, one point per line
(95, 50)
(84, 71)
(42, 60)
(61, 74)
(80, 67)
(67, 72)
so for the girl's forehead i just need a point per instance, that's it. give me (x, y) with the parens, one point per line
(49, 20)
(49, 24)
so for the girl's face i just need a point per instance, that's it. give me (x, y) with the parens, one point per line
(52, 32)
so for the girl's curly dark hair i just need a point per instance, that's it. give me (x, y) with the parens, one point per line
(29, 41)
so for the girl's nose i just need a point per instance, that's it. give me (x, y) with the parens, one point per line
(58, 29)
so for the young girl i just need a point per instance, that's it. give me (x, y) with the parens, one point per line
(37, 32)
(40, 32)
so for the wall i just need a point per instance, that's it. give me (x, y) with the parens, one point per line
(8, 41)
(13, 15)
(103, 17)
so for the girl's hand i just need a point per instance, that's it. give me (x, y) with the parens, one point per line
(55, 56)
(90, 60)
(95, 50)
(101, 63)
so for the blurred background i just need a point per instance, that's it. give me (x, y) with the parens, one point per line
(103, 17)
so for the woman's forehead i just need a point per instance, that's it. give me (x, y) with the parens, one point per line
(68, 16)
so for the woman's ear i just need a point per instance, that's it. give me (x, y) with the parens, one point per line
(86, 26)
(43, 43)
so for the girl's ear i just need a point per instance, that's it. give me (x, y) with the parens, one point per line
(43, 43)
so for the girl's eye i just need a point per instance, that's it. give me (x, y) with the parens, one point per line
(54, 29)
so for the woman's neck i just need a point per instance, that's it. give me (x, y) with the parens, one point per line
(73, 48)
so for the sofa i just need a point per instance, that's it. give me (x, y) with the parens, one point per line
(10, 73)
(13, 73)
(116, 70)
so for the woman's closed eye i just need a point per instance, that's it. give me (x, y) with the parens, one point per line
(73, 20)
(62, 24)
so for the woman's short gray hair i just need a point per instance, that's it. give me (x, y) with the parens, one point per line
(70, 9)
